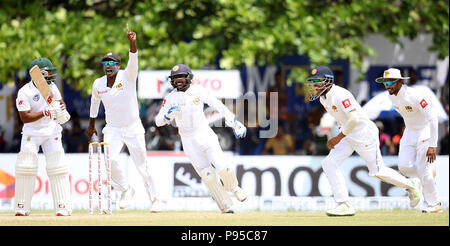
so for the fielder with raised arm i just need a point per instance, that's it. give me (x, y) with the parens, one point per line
(41, 129)
(419, 140)
(117, 90)
(358, 133)
(200, 144)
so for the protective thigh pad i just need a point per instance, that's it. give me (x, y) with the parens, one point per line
(26, 171)
(58, 174)
(216, 189)
(228, 178)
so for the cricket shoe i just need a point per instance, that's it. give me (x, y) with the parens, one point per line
(22, 212)
(343, 209)
(240, 194)
(433, 209)
(125, 198)
(228, 211)
(63, 212)
(414, 194)
(156, 206)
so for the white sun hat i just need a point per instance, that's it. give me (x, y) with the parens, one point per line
(391, 73)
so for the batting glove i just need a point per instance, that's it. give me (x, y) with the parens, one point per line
(239, 129)
(173, 111)
(49, 112)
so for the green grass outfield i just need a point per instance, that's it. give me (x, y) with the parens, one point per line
(213, 218)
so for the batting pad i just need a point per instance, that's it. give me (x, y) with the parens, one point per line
(391, 176)
(216, 189)
(228, 178)
(26, 171)
(58, 174)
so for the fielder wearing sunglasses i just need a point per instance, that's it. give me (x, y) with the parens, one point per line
(109, 63)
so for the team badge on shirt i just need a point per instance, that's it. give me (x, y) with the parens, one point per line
(36, 97)
(423, 103)
(119, 86)
(196, 100)
(346, 103)
(334, 108)
(408, 108)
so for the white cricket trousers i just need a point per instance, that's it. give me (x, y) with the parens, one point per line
(135, 142)
(412, 162)
(203, 149)
(49, 144)
(371, 154)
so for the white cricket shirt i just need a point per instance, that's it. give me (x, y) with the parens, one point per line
(29, 98)
(120, 101)
(338, 103)
(191, 117)
(417, 112)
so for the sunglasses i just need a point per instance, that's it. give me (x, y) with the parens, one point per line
(316, 80)
(389, 83)
(109, 63)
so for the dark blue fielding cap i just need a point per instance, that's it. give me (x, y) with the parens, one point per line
(321, 72)
(180, 69)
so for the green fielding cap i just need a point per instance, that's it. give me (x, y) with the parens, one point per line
(43, 63)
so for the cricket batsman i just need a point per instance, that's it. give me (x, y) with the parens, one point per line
(41, 129)
(185, 105)
(358, 133)
(419, 141)
(117, 90)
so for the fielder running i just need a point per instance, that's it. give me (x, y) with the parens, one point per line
(358, 134)
(419, 141)
(41, 129)
(185, 104)
(117, 90)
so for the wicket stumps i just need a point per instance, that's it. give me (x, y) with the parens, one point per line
(99, 170)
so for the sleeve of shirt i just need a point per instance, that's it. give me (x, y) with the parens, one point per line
(431, 116)
(95, 103)
(165, 106)
(56, 93)
(132, 67)
(213, 102)
(22, 102)
(346, 102)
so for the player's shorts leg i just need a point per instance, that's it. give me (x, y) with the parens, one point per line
(138, 152)
(118, 176)
(407, 160)
(425, 172)
(332, 168)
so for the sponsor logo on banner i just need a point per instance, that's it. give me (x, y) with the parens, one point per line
(186, 181)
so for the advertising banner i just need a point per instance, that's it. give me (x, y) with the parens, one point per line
(272, 183)
(222, 83)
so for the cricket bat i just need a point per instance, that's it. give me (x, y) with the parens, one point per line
(44, 89)
(41, 84)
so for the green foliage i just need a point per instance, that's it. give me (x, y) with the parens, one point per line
(75, 34)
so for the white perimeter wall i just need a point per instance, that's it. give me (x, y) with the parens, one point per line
(272, 182)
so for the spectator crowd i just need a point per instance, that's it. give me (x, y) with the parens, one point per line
(300, 132)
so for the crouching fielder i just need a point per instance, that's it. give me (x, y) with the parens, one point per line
(200, 143)
(359, 134)
(41, 129)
